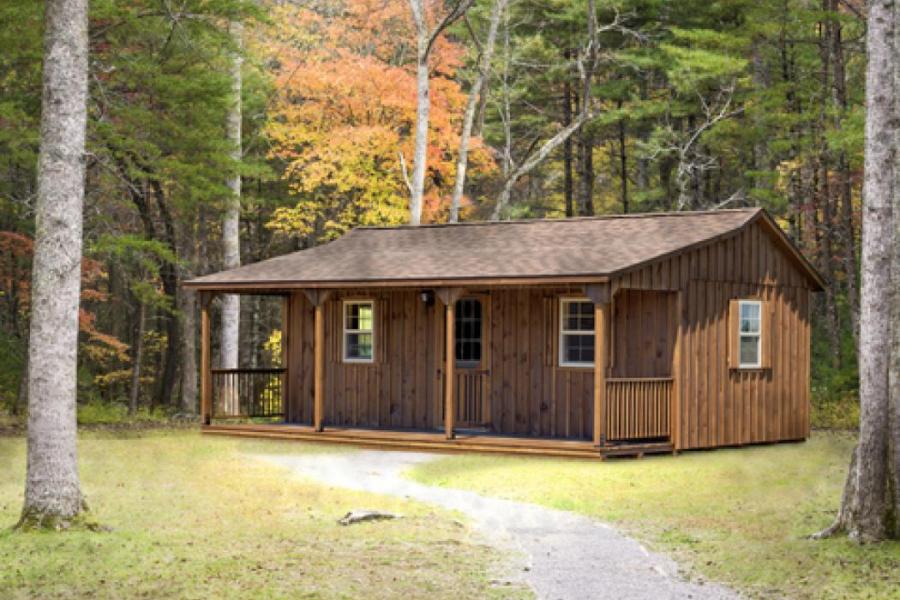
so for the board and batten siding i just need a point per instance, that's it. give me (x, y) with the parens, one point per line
(721, 406)
(530, 394)
(396, 390)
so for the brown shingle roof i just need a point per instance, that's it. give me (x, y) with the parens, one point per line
(558, 248)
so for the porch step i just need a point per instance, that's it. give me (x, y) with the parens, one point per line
(638, 449)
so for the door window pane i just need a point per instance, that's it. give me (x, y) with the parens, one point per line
(467, 328)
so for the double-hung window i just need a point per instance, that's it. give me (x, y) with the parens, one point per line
(359, 332)
(750, 332)
(576, 332)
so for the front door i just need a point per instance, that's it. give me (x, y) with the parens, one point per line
(472, 370)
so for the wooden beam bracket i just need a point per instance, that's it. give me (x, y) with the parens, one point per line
(449, 295)
(317, 297)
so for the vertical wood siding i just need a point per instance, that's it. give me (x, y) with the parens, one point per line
(531, 395)
(722, 406)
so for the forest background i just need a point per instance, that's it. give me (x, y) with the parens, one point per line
(582, 107)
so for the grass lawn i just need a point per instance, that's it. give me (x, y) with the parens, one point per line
(193, 518)
(734, 515)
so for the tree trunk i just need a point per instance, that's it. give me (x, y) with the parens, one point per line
(825, 229)
(586, 189)
(52, 488)
(568, 188)
(168, 272)
(848, 235)
(231, 238)
(623, 164)
(423, 109)
(868, 508)
(425, 38)
(187, 307)
(137, 358)
(469, 118)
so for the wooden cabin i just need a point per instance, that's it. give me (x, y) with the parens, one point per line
(577, 337)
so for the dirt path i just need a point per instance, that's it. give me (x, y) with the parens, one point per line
(566, 556)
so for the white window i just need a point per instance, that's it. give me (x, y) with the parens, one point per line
(359, 334)
(749, 347)
(576, 333)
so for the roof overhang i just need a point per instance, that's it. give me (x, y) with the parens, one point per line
(279, 287)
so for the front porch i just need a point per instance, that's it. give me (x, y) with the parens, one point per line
(515, 394)
(462, 441)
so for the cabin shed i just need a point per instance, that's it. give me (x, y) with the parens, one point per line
(578, 337)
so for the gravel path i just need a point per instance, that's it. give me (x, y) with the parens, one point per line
(566, 556)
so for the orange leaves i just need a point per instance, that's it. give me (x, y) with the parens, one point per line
(16, 251)
(112, 344)
(345, 111)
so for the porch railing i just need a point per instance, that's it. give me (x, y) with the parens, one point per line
(638, 408)
(247, 393)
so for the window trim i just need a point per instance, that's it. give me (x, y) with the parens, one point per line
(758, 335)
(346, 331)
(563, 301)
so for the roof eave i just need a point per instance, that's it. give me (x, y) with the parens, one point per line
(289, 285)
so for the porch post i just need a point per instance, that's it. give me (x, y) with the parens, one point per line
(600, 295)
(449, 296)
(317, 298)
(449, 396)
(319, 369)
(205, 361)
(600, 327)
(285, 345)
(675, 416)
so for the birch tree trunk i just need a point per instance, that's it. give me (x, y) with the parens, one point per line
(568, 188)
(52, 488)
(472, 105)
(231, 239)
(425, 39)
(870, 495)
(423, 110)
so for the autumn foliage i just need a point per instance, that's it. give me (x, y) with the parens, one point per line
(16, 252)
(344, 114)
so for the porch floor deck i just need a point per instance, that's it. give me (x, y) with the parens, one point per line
(436, 441)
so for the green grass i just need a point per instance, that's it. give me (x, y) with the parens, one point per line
(193, 517)
(734, 515)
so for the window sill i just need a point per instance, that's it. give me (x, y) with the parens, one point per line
(360, 361)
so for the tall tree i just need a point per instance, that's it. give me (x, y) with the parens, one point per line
(425, 38)
(52, 488)
(484, 67)
(231, 236)
(869, 505)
